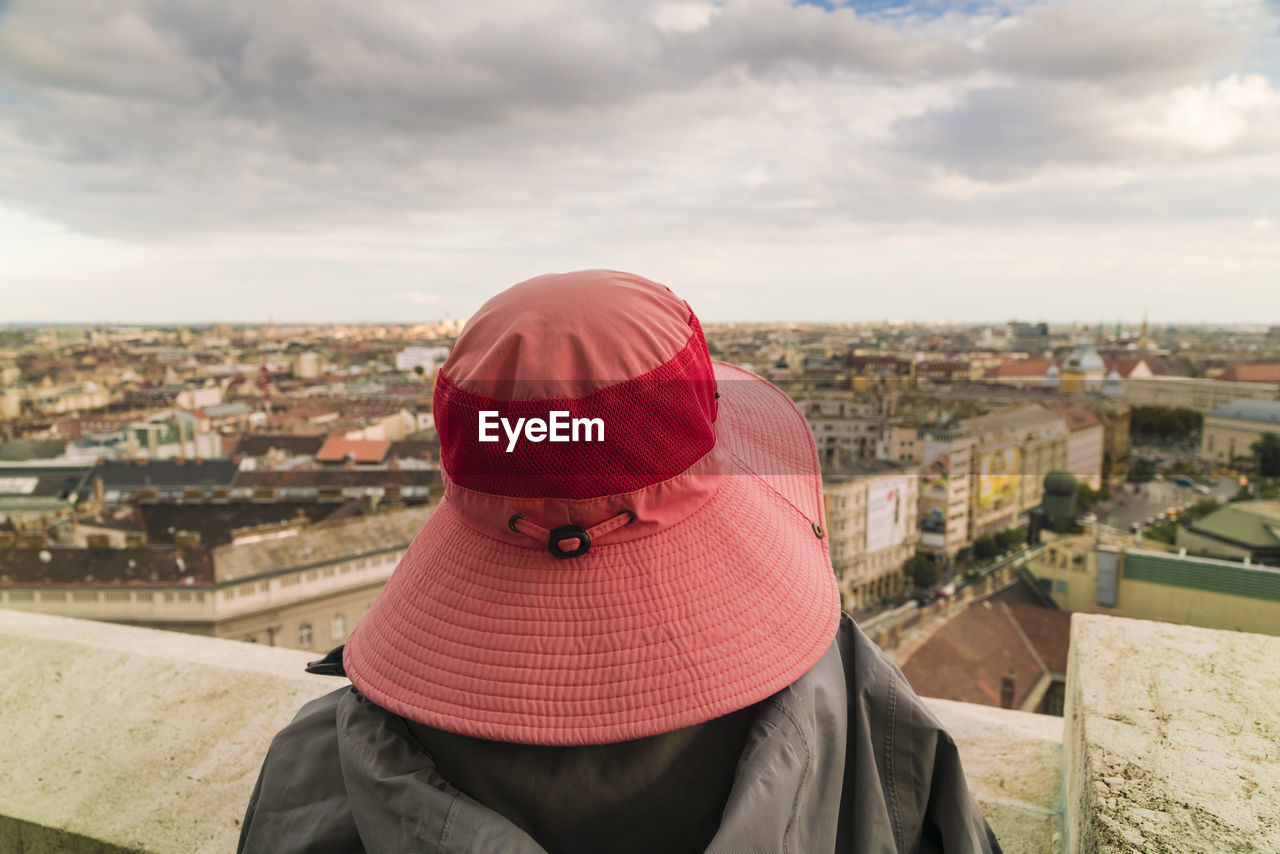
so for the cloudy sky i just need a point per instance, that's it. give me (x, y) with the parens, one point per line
(402, 160)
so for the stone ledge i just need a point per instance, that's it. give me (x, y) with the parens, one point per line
(129, 739)
(1013, 762)
(1173, 738)
(120, 739)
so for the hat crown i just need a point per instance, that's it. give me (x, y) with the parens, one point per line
(614, 353)
(568, 335)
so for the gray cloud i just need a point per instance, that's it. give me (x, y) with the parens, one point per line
(1008, 131)
(1133, 44)
(548, 128)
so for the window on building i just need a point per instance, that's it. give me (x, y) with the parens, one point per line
(251, 639)
(304, 635)
(339, 626)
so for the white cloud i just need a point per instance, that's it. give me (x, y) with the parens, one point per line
(682, 17)
(391, 147)
(1235, 112)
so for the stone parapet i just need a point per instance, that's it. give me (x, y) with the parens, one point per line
(120, 739)
(126, 739)
(1172, 738)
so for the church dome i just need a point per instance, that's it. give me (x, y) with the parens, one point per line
(1085, 359)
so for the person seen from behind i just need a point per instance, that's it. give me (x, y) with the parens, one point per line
(619, 629)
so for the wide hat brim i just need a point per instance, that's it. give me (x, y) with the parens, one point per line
(722, 609)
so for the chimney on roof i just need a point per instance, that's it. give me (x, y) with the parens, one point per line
(1006, 691)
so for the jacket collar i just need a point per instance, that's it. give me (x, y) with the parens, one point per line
(785, 795)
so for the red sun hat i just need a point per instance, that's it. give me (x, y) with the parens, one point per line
(631, 538)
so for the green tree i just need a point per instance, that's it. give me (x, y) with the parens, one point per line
(1142, 470)
(1165, 532)
(1200, 509)
(1266, 453)
(1010, 538)
(922, 571)
(1087, 497)
(1163, 423)
(985, 547)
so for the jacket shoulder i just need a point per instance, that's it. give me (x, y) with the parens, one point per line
(897, 741)
(299, 805)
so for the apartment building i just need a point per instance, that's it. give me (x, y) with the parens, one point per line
(1231, 429)
(946, 491)
(872, 524)
(289, 584)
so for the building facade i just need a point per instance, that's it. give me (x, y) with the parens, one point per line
(1085, 444)
(872, 522)
(1231, 429)
(946, 482)
(1015, 449)
(1150, 585)
(288, 585)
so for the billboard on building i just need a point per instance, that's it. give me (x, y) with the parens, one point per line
(936, 476)
(998, 476)
(886, 513)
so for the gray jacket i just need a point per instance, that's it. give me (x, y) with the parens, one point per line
(846, 759)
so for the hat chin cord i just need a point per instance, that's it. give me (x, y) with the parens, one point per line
(568, 541)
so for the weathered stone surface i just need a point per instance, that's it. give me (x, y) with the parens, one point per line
(1013, 762)
(119, 738)
(1173, 738)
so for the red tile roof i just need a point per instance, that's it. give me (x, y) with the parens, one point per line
(1020, 368)
(1124, 367)
(1252, 372)
(337, 450)
(969, 654)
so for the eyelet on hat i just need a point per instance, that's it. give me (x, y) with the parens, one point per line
(817, 530)
(573, 533)
(511, 523)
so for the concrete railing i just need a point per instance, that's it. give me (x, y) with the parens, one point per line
(120, 739)
(1172, 738)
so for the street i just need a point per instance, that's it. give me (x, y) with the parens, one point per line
(1153, 498)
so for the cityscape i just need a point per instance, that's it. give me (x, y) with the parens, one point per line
(1015, 263)
(982, 483)
(259, 483)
